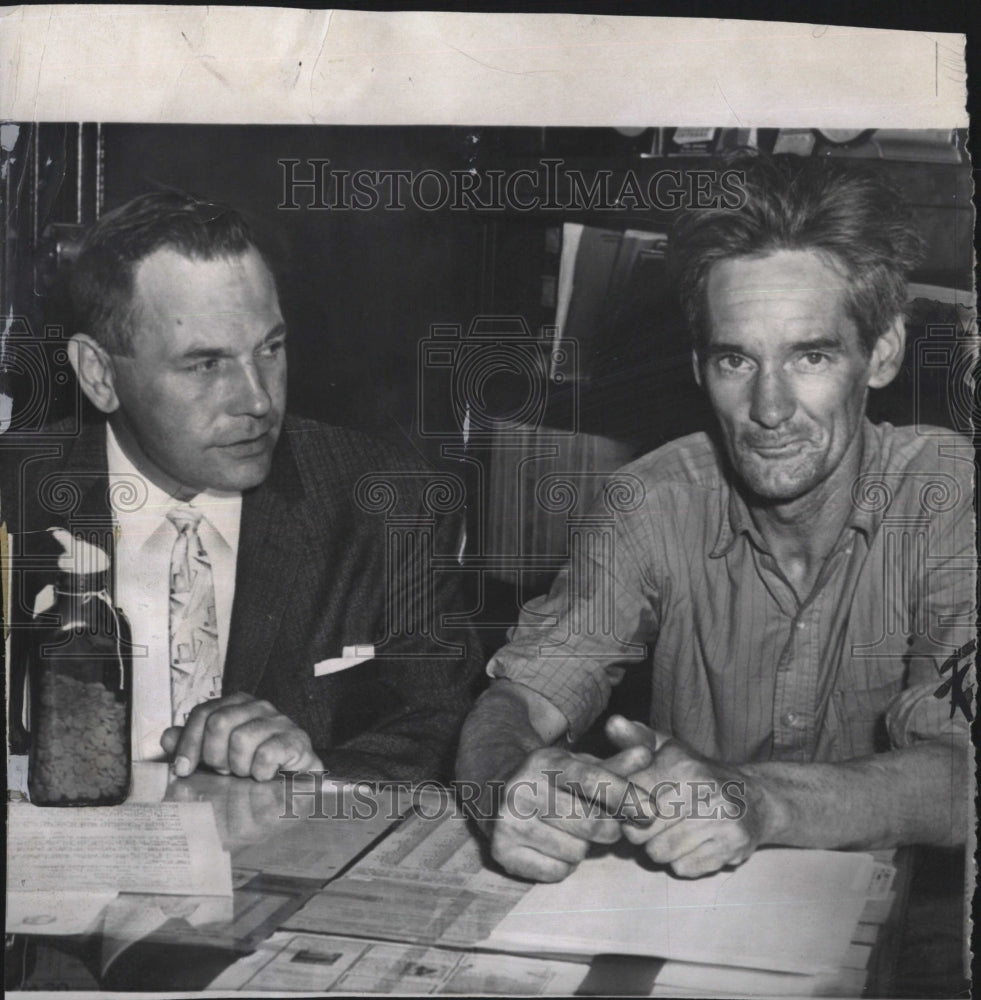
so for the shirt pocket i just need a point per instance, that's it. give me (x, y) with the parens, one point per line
(861, 717)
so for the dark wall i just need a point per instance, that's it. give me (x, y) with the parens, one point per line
(362, 289)
(359, 288)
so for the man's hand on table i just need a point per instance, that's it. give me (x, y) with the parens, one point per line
(543, 827)
(240, 735)
(696, 815)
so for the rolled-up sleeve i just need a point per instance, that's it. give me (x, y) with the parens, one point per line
(919, 713)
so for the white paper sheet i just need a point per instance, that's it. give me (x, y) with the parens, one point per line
(784, 910)
(96, 62)
(169, 847)
(54, 913)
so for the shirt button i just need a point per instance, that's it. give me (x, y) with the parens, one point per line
(790, 719)
(802, 625)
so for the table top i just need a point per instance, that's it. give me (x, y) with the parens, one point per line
(280, 931)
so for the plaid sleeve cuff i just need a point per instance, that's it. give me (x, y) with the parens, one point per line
(578, 692)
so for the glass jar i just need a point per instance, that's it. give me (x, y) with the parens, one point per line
(81, 698)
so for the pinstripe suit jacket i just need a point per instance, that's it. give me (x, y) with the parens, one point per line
(318, 570)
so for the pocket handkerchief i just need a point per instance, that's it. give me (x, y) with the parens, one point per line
(352, 656)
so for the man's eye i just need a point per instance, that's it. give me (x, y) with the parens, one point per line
(732, 363)
(206, 366)
(815, 359)
(272, 349)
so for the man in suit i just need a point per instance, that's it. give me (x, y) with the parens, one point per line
(273, 625)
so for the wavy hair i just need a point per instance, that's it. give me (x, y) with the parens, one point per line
(856, 220)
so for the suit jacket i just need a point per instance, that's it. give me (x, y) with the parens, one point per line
(334, 550)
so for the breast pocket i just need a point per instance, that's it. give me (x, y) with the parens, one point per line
(353, 655)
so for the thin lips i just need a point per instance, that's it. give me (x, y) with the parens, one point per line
(251, 440)
(779, 446)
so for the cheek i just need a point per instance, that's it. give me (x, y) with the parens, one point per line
(729, 401)
(832, 403)
(191, 405)
(176, 424)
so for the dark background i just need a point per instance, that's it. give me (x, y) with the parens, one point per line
(361, 290)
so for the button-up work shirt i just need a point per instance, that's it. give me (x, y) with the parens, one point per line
(144, 543)
(742, 669)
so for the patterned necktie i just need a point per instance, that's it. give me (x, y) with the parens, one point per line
(195, 670)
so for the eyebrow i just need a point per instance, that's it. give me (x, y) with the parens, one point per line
(203, 353)
(801, 346)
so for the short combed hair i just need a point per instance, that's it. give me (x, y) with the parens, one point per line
(854, 219)
(102, 277)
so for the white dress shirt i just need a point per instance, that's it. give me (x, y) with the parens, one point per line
(144, 542)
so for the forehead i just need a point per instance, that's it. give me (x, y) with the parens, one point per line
(788, 294)
(181, 297)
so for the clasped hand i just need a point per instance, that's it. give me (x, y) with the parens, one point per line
(687, 812)
(241, 735)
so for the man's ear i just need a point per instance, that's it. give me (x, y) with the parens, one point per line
(696, 368)
(95, 372)
(887, 355)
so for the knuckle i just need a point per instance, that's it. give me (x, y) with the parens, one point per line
(556, 874)
(522, 792)
(238, 740)
(268, 753)
(198, 712)
(608, 830)
(283, 724)
(687, 868)
(215, 724)
(595, 828)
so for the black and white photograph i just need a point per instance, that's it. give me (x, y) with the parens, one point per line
(481, 542)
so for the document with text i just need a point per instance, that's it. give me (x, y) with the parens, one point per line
(167, 847)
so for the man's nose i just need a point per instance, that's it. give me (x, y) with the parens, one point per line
(773, 400)
(251, 394)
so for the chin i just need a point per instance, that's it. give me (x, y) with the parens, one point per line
(777, 493)
(776, 485)
(242, 478)
(779, 490)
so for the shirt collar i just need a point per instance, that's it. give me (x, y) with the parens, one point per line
(735, 518)
(867, 511)
(222, 509)
(734, 521)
